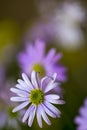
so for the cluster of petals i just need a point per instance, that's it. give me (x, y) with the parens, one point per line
(23, 90)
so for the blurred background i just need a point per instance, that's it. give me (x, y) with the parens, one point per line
(62, 24)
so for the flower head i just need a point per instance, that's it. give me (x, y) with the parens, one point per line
(35, 59)
(66, 25)
(81, 120)
(35, 97)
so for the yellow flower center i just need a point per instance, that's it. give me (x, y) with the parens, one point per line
(39, 68)
(36, 96)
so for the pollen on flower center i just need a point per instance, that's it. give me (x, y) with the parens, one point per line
(39, 68)
(36, 96)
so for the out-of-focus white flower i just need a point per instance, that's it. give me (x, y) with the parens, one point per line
(60, 23)
(70, 13)
(66, 25)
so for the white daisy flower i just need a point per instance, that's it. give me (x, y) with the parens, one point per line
(35, 97)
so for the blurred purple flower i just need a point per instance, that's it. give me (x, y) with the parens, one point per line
(7, 118)
(34, 58)
(81, 120)
(3, 117)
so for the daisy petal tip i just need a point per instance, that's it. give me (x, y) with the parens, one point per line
(11, 99)
(23, 120)
(18, 80)
(58, 115)
(13, 111)
(40, 125)
(33, 72)
(23, 74)
(58, 97)
(11, 89)
(63, 102)
(55, 76)
(49, 123)
(29, 125)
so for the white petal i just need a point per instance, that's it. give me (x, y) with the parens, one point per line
(44, 116)
(54, 101)
(38, 114)
(52, 108)
(61, 102)
(20, 92)
(21, 106)
(31, 117)
(51, 80)
(22, 88)
(52, 96)
(43, 79)
(27, 81)
(34, 79)
(22, 83)
(19, 99)
(27, 113)
(48, 111)
(54, 76)
(50, 86)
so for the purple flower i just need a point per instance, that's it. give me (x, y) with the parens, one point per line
(34, 58)
(34, 94)
(81, 120)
